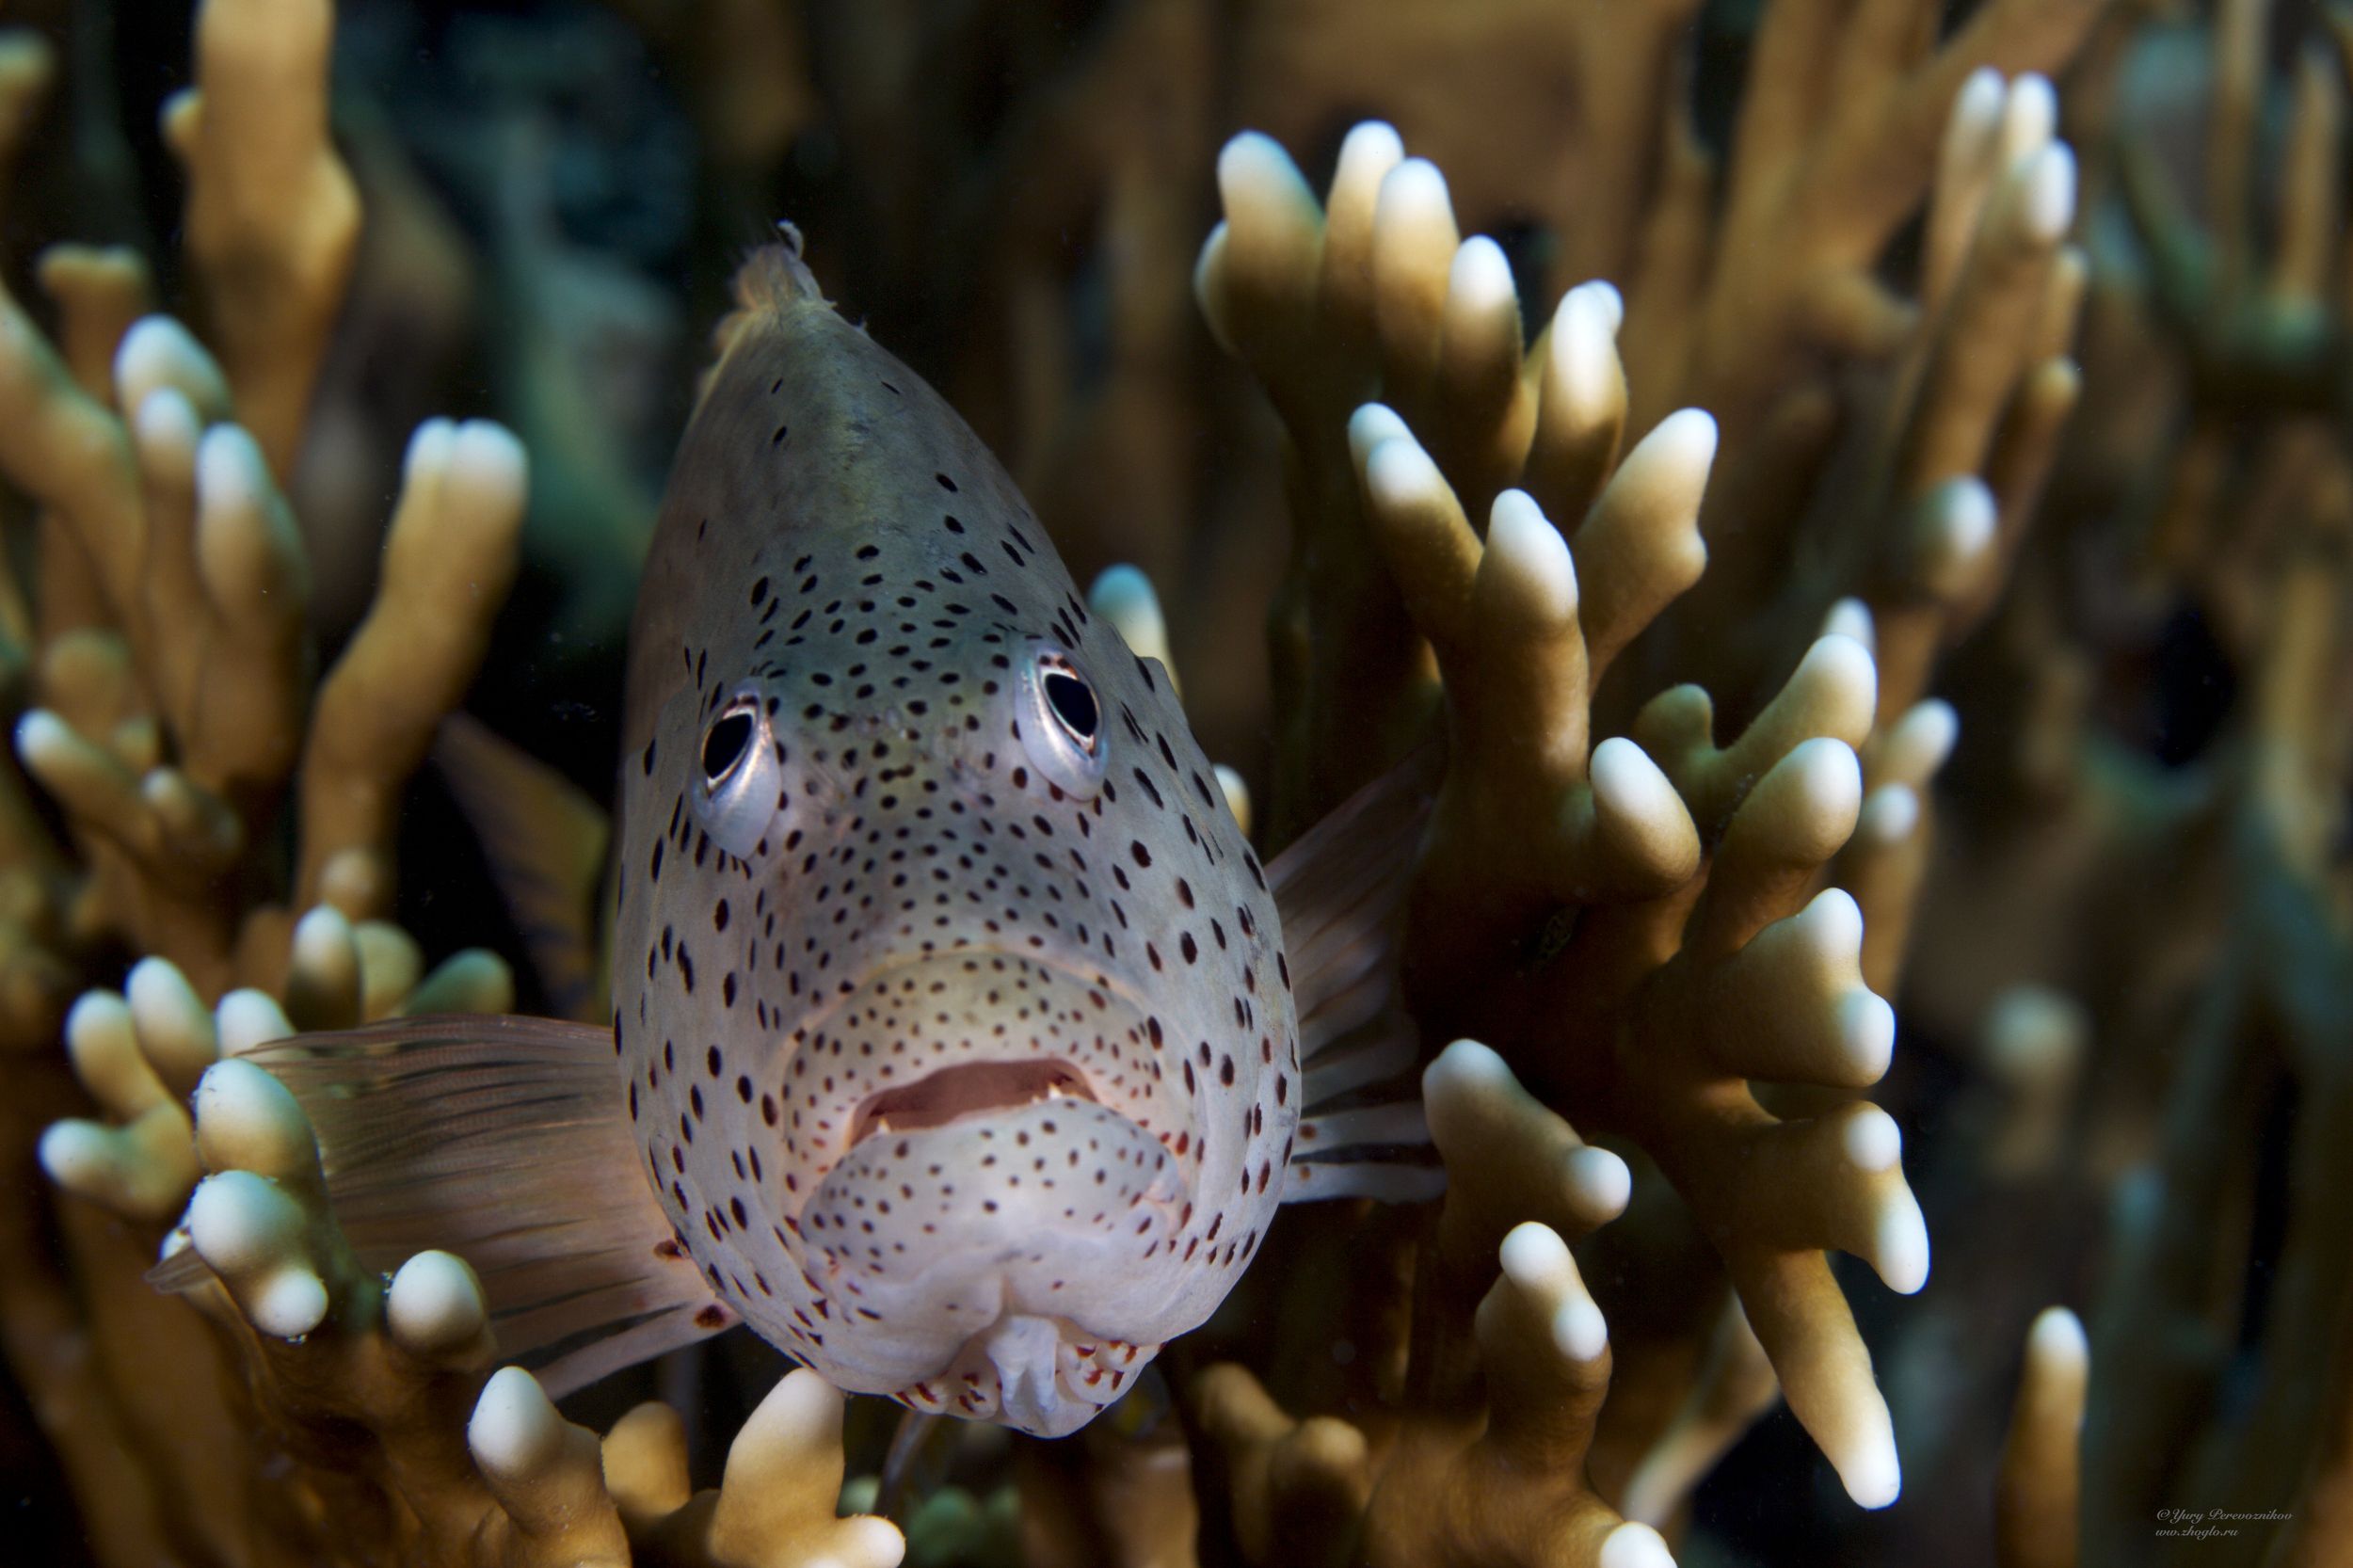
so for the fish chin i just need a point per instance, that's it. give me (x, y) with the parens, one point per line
(945, 1234)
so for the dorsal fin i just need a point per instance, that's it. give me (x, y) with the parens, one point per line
(773, 278)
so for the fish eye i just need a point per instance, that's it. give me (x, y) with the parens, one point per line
(1062, 722)
(1072, 701)
(742, 776)
(725, 743)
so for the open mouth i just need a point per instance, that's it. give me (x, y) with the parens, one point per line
(952, 1094)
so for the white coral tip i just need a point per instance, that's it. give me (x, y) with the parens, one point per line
(175, 1029)
(81, 1157)
(1523, 541)
(1900, 1250)
(1978, 104)
(1870, 1471)
(488, 473)
(157, 352)
(1251, 157)
(1533, 1257)
(2029, 115)
(248, 1120)
(1480, 282)
(1628, 785)
(1584, 347)
(1890, 813)
(1372, 143)
(1236, 789)
(2050, 195)
(230, 473)
(428, 450)
(1922, 741)
(1370, 425)
(1850, 617)
(1539, 1265)
(1634, 1545)
(1829, 778)
(246, 1019)
(434, 1303)
(1873, 1141)
(41, 737)
(290, 1303)
(1685, 441)
(1840, 683)
(1598, 300)
(1208, 287)
(514, 1430)
(2057, 1341)
(1413, 198)
(246, 1227)
(167, 429)
(1866, 1028)
(1463, 1066)
(1398, 476)
(1599, 1180)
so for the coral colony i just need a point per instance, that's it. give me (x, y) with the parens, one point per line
(1771, 584)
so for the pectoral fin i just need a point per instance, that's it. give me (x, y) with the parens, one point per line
(1340, 888)
(503, 1139)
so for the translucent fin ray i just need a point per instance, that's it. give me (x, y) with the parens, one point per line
(503, 1139)
(1338, 889)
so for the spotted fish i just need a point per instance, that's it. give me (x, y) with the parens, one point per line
(960, 1043)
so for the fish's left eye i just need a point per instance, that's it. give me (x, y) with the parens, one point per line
(724, 743)
(1072, 701)
(1062, 722)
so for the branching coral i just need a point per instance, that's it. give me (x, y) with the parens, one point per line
(1485, 1462)
(1560, 877)
(272, 216)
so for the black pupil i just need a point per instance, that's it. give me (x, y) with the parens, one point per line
(1073, 703)
(724, 743)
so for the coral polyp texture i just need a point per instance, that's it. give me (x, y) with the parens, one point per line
(1822, 531)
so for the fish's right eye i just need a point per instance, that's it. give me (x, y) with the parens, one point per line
(725, 743)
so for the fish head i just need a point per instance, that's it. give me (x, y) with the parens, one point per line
(952, 1000)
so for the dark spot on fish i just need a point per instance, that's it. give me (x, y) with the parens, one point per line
(782, 431)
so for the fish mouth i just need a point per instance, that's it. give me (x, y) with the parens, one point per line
(967, 1089)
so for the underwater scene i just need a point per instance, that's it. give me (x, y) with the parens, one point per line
(1149, 783)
